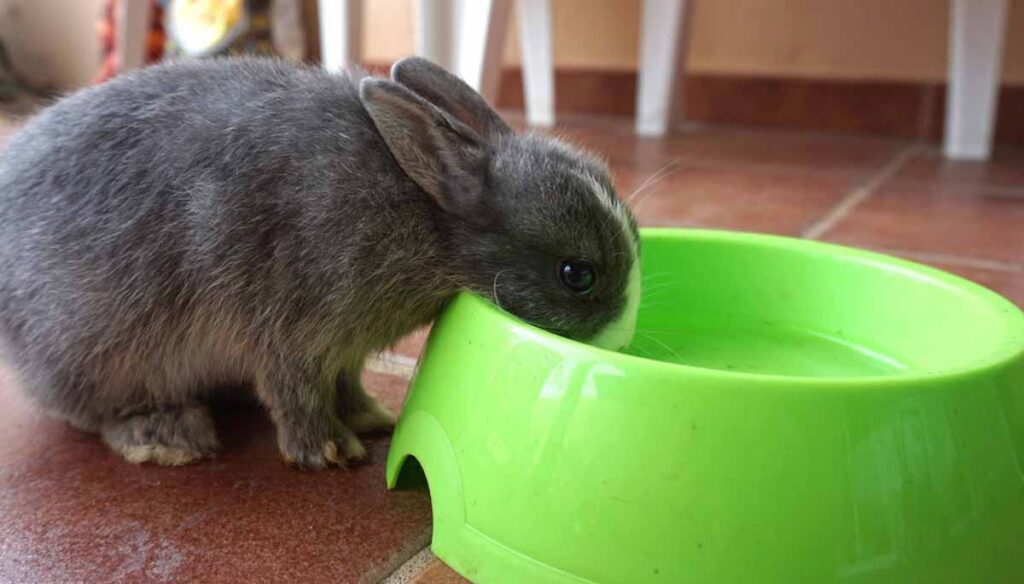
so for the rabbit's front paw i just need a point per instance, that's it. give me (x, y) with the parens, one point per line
(314, 453)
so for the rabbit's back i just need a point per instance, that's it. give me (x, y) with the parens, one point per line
(160, 216)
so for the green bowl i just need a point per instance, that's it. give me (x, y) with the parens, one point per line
(790, 411)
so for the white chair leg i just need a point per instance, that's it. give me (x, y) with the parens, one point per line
(132, 31)
(977, 31)
(535, 36)
(663, 44)
(341, 33)
(467, 37)
(491, 58)
(481, 30)
(434, 29)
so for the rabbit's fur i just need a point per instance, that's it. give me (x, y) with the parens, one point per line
(208, 223)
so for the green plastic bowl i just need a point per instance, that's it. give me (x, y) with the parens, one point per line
(790, 411)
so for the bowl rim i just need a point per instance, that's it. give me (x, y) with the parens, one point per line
(1010, 349)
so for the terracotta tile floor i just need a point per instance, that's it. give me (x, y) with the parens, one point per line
(71, 511)
(919, 218)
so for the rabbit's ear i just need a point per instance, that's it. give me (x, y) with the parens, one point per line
(450, 94)
(443, 156)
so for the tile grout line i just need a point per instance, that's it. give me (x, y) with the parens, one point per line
(860, 193)
(406, 572)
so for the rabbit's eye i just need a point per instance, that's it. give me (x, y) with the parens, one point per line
(579, 276)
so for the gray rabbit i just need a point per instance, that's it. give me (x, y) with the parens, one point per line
(199, 224)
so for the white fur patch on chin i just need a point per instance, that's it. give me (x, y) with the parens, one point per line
(618, 334)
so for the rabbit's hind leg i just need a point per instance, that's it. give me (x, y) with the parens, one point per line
(168, 435)
(360, 411)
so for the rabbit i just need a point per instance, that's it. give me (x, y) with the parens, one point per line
(249, 222)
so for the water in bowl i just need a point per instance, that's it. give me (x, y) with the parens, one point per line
(763, 348)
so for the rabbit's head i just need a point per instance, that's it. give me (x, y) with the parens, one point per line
(528, 221)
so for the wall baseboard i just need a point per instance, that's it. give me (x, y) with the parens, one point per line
(887, 108)
(913, 110)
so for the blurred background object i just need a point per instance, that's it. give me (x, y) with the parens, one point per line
(9, 86)
(107, 27)
(208, 28)
(872, 67)
(52, 44)
(204, 28)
